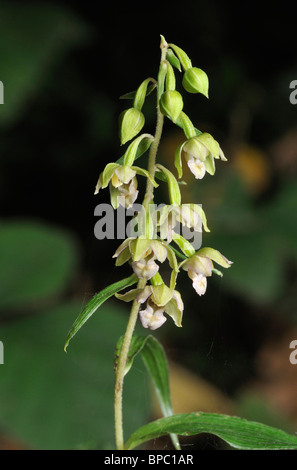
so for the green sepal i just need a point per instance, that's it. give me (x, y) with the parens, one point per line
(107, 174)
(182, 56)
(216, 256)
(210, 164)
(128, 296)
(173, 187)
(123, 257)
(114, 193)
(173, 311)
(161, 295)
(178, 160)
(210, 143)
(139, 247)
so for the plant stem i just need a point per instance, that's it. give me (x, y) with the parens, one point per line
(123, 355)
(121, 369)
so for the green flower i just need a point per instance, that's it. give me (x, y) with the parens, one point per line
(200, 266)
(159, 299)
(199, 153)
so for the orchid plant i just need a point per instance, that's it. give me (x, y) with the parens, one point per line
(156, 242)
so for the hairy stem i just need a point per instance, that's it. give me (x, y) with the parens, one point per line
(121, 367)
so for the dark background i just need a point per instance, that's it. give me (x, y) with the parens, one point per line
(64, 66)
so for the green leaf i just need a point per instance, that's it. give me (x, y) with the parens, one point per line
(137, 344)
(143, 172)
(183, 244)
(96, 302)
(171, 57)
(141, 149)
(141, 93)
(239, 433)
(183, 57)
(173, 187)
(154, 358)
(131, 94)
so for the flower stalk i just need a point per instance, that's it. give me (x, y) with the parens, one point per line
(121, 367)
(152, 298)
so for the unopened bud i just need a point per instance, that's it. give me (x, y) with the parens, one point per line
(195, 81)
(171, 104)
(131, 122)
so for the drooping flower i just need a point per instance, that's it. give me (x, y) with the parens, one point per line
(152, 316)
(200, 266)
(122, 183)
(199, 153)
(189, 215)
(159, 299)
(143, 252)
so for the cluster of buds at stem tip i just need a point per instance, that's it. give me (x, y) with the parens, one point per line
(148, 251)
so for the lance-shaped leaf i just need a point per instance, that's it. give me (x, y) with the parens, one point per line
(96, 302)
(171, 57)
(143, 172)
(183, 244)
(141, 93)
(173, 187)
(238, 432)
(154, 358)
(131, 151)
(143, 146)
(131, 94)
(182, 56)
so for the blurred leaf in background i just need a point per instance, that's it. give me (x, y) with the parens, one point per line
(53, 400)
(32, 37)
